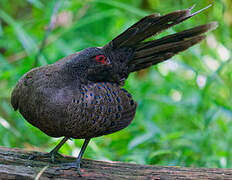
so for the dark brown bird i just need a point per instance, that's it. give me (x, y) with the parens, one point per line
(81, 96)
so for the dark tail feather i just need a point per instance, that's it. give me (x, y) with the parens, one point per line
(150, 26)
(153, 52)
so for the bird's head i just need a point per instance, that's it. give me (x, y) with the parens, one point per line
(99, 64)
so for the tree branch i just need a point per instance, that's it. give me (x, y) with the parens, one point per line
(14, 164)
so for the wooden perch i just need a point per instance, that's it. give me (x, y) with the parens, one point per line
(14, 164)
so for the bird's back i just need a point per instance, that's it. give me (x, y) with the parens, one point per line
(40, 98)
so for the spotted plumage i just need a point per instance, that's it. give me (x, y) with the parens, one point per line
(103, 108)
(82, 96)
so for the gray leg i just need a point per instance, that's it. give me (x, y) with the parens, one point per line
(56, 149)
(77, 163)
(53, 152)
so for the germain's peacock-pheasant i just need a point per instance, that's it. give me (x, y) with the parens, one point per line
(81, 95)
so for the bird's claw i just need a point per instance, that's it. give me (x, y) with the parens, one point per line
(50, 155)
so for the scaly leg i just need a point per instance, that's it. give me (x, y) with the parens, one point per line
(77, 163)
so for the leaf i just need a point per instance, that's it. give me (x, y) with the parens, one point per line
(36, 3)
(124, 6)
(1, 31)
(4, 64)
(26, 41)
(152, 130)
(160, 153)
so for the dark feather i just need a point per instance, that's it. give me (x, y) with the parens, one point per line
(151, 25)
(100, 109)
(149, 53)
(156, 51)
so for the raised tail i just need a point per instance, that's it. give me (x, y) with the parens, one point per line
(153, 52)
(144, 54)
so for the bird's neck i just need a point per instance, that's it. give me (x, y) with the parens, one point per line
(75, 72)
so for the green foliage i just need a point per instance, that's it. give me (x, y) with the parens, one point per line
(184, 115)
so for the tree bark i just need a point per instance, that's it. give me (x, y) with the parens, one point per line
(14, 164)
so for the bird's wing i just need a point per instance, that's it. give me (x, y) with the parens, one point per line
(101, 108)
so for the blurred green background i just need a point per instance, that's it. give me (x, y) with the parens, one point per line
(184, 115)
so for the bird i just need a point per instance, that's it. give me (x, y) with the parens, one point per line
(82, 97)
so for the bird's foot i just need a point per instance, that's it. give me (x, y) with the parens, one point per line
(51, 155)
(67, 166)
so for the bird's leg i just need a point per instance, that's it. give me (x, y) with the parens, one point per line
(53, 152)
(77, 163)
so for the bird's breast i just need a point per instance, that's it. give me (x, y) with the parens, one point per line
(100, 108)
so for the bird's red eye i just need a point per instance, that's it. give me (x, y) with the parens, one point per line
(101, 59)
